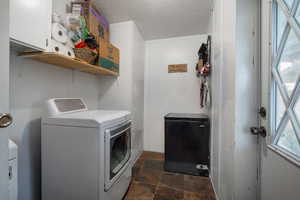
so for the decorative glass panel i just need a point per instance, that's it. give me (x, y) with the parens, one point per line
(281, 23)
(280, 107)
(289, 66)
(289, 3)
(286, 125)
(289, 141)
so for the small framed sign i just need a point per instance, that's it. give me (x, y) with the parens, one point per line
(177, 68)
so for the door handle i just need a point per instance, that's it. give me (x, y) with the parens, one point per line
(5, 120)
(259, 131)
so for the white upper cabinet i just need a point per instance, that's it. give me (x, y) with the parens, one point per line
(30, 22)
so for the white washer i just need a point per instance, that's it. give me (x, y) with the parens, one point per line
(85, 153)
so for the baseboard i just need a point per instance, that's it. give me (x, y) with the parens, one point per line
(138, 155)
(216, 194)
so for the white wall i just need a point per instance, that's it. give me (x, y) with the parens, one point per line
(138, 51)
(223, 98)
(234, 156)
(4, 95)
(116, 91)
(216, 79)
(247, 90)
(169, 92)
(31, 84)
(126, 92)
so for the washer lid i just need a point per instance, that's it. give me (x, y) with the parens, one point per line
(92, 118)
(13, 150)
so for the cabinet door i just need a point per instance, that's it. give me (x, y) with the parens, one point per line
(187, 141)
(30, 22)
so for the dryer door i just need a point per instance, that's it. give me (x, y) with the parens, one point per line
(118, 152)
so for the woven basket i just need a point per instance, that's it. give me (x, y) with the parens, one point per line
(85, 54)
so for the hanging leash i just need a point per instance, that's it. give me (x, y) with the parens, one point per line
(202, 92)
(207, 95)
(203, 69)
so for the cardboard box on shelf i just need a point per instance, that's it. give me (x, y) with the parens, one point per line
(97, 23)
(109, 56)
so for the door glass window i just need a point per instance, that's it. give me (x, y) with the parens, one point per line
(289, 66)
(289, 141)
(286, 79)
(289, 3)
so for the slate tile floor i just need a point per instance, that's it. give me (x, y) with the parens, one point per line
(151, 182)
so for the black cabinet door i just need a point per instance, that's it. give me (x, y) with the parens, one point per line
(186, 143)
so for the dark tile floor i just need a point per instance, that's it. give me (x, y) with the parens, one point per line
(151, 182)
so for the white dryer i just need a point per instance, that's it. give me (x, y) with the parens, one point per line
(85, 153)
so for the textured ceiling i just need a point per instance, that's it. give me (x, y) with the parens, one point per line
(158, 19)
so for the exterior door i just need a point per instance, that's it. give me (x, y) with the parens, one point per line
(280, 74)
(4, 96)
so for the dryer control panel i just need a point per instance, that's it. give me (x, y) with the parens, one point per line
(65, 105)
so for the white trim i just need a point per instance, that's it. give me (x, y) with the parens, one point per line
(134, 160)
(281, 87)
(23, 44)
(280, 129)
(285, 154)
(214, 189)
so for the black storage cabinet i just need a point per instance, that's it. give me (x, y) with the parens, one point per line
(187, 138)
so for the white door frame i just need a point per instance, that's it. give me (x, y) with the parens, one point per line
(4, 95)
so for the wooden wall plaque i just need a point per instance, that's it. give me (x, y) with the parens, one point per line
(177, 68)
